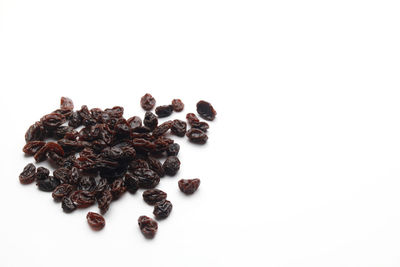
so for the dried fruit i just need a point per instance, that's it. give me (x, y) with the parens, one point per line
(131, 183)
(95, 221)
(178, 128)
(48, 184)
(162, 209)
(36, 132)
(177, 105)
(146, 178)
(82, 199)
(104, 201)
(67, 205)
(147, 102)
(63, 190)
(164, 111)
(27, 176)
(171, 165)
(66, 103)
(173, 149)
(32, 147)
(206, 110)
(150, 120)
(147, 226)
(197, 136)
(189, 186)
(152, 196)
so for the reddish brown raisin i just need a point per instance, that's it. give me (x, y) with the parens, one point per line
(173, 149)
(36, 132)
(147, 226)
(197, 136)
(206, 110)
(171, 165)
(104, 201)
(192, 118)
(147, 102)
(63, 190)
(146, 178)
(27, 176)
(32, 147)
(178, 128)
(95, 221)
(164, 111)
(150, 120)
(189, 186)
(82, 199)
(67, 205)
(162, 209)
(66, 103)
(177, 105)
(152, 196)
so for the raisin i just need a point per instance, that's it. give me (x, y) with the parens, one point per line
(52, 121)
(162, 209)
(134, 122)
(173, 149)
(42, 173)
(177, 105)
(150, 120)
(155, 165)
(131, 183)
(61, 131)
(75, 120)
(63, 174)
(189, 186)
(66, 103)
(95, 221)
(146, 178)
(162, 128)
(48, 147)
(32, 147)
(192, 118)
(63, 190)
(138, 163)
(87, 183)
(27, 176)
(197, 136)
(67, 205)
(48, 184)
(82, 199)
(152, 196)
(36, 132)
(147, 102)
(164, 111)
(117, 188)
(206, 110)
(104, 201)
(201, 126)
(178, 128)
(147, 226)
(171, 165)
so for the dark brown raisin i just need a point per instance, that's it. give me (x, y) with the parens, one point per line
(206, 110)
(147, 102)
(171, 165)
(147, 178)
(104, 200)
(201, 125)
(52, 121)
(155, 165)
(63, 174)
(131, 183)
(63, 190)
(189, 186)
(32, 147)
(152, 196)
(48, 147)
(117, 188)
(67, 205)
(197, 136)
(42, 173)
(150, 120)
(137, 164)
(36, 132)
(48, 184)
(162, 209)
(82, 199)
(173, 149)
(192, 118)
(147, 226)
(95, 221)
(66, 103)
(75, 120)
(27, 176)
(164, 111)
(178, 128)
(162, 128)
(177, 105)
(134, 122)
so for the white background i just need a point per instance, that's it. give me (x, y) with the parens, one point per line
(302, 166)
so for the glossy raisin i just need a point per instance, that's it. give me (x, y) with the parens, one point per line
(134, 122)
(147, 178)
(27, 176)
(118, 188)
(131, 183)
(36, 132)
(173, 149)
(147, 226)
(197, 136)
(178, 128)
(66, 103)
(63, 190)
(32, 147)
(48, 184)
(42, 173)
(67, 205)
(152, 196)
(95, 221)
(171, 165)
(164, 111)
(104, 201)
(63, 174)
(192, 118)
(52, 121)
(189, 186)
(162, 128)
(82, 199)
(155, 165)
(147, 102)
(162, 209)
(177, 105)
(150, 120)
(206, 110)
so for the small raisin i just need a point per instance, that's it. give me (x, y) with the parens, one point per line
(173, 149)
(42, 173)
(32, 147)
(152, 196)
(150, 120)
(147, 102)
(171, 165)
(164, 111)
(95, 221)
(66, 103)
(177, 105)
(147, 226)
(27, 176)
(197, 136)
(67, 205)
(206, 110)
(189, 186)
(162, 209)
(147, 178)
(63, 190)
(131, 183)
(104, 201)
(178, 128)
(48, 184)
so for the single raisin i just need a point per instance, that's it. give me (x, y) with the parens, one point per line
(52, 121)
(177, 105)
(48, 184)
(162, 128)
(189, 186)
(104, 201)
(75, 120)
(197, 136)
(147, 226)
(178, 128)
(66, 103)
(164, 111)
(63, 174)
(152, 196)
(95, 221)
(67, 205)
(42, 173)
(117, 188)
(147, 102)
(147, 178)
(162, 209)
(171, 165)
(32, 147)
(82, 199)
(173, 149)
(206, 110)
(201, 125)
(63, 190)
(27, 176)
(155, 165)
(134, 122)
(150, 120)
(192, 118)
(131, 183)
(36, 132)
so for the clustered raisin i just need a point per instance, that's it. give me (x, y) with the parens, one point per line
(109, 155)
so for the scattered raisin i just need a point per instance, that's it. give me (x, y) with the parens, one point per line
(177, 105)
(27, 176)
(150, 120)
(162, 209)
(173, 149)
(146, 178)
(147, 102)
(48, 184)
(131, 183)
(66, 103)
(147, 226)
(36, 132)
(178, 128)
(104, 201)
(67, 205)
(171, 165)
(63, 190)
(206, 110)
(32, 147)
(197, 136)
(42, 173)
(189, 186)
(95, 221)
(164, 111)
(152, 196)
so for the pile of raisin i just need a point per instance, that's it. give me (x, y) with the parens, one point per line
(99, 155)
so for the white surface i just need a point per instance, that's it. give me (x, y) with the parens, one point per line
(302, 166)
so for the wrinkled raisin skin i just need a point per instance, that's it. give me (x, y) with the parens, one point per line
(189, 186)
(67, 205)
(148, 226)
(95, 221)
(164, 111)
(162, 209)
(197, 136)
(206, 110)
(152, 196)
(177, 105)
(27, 176)
(171, 165)
(178, 128)
(147, 102)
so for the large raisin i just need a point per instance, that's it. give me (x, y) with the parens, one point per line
(147, 102)
(36, 132)
(52, 121)
(32, 147)
(173, 149)
(95, 221)
(197, 136)
(171, 165)
(177, 105)
(63, 174)
(152, 196)
(48, 184)
(162, 209)
(75, 120)
(42, 173)
(206, 110)
(189, 186)
(147, 226)
(118, 188)
(162, 128)
(164, 111)
(82, 199)
(27, 176)
(147, 178)
(155, 165)
(104, 201)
